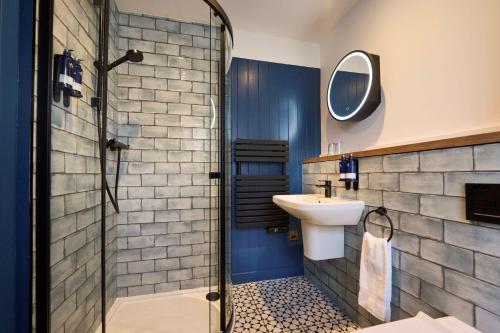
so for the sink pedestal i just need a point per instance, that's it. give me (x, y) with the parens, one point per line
(322, 242)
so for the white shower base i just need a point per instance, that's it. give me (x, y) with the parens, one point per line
(173, 312)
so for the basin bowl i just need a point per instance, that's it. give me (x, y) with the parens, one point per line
(322, 220)
(320, 210)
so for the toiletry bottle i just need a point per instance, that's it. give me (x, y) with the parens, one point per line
(347, 168)
(342, 166)
(64, 70)
(77, 75)
(351, 170)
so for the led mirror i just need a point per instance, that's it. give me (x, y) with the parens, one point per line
(354, 88)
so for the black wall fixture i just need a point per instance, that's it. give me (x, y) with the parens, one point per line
(482, 202)
(354, 91)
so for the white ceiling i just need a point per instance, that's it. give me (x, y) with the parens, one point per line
(305, 20)
(182, 10)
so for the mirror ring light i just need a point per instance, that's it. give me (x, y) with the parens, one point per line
(372, 96)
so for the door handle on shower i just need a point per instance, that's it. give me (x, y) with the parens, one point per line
(213, 113)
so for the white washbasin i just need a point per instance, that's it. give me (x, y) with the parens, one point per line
(319, 210)
(323, 220)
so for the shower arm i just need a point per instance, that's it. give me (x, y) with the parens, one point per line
(117, 62)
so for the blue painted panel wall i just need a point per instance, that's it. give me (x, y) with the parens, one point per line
(275, 102)
(16, 92)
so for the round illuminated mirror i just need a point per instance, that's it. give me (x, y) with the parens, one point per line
(354, 88)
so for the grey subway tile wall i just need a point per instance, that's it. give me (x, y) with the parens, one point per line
(443, 264)
(75, 198)
(165, 237)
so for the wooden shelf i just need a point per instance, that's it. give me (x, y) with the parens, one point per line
(462, 141)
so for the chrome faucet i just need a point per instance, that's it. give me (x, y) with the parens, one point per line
(328, 188)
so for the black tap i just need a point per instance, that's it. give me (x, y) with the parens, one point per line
(328, 188)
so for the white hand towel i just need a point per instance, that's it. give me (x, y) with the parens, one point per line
(375, 276)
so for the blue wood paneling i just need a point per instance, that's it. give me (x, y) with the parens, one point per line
(275, 102)
(16, 95)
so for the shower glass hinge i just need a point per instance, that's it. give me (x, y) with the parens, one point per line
(214, 175)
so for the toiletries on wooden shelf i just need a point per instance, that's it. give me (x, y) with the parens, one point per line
(335, 148)
(348, 168)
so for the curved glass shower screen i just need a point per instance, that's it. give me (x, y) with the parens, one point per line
(148, 123)
(219, 285)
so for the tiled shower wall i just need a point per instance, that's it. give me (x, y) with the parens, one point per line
(75, 198)
(164, 113)
(442, 263)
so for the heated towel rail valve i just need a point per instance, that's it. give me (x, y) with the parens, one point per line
(328, 188)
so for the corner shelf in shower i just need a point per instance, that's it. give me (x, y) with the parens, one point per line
(254, 193)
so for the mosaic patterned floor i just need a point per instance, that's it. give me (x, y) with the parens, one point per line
(290, 305)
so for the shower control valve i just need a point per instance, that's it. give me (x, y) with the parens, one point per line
(95, 102)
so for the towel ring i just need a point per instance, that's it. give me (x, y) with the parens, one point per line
(382, 211)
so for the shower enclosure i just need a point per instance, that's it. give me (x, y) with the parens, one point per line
(131, 193)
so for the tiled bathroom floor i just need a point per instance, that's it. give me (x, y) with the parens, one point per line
(290, 305)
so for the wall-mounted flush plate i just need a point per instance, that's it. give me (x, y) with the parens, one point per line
(482, 202)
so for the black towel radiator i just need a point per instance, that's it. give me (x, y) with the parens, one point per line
(254, 204)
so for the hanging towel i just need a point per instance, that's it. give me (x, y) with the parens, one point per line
(375, 276)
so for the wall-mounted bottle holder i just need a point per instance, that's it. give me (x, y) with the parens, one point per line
(349, 172)
(353, 182)
(67, 78)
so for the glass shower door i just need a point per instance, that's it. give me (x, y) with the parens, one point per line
(220, 186)
(212, 58)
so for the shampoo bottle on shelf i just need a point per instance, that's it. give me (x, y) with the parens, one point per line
(351, 169)
(342, 167)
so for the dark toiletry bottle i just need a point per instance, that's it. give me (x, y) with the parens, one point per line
(351, 170)
(64, 71)
(77, 74)
(342, 167)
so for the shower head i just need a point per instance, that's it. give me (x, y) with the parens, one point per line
(132, 55)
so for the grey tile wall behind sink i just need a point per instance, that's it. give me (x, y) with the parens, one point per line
(442, 263)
